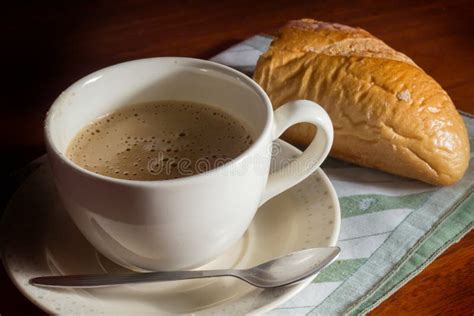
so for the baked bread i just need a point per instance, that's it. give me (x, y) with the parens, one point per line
(386, 111)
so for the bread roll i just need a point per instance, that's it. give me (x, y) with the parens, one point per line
(386, 111)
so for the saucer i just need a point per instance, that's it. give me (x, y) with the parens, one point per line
(42, 240)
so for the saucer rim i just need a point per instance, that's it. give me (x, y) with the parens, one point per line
(332, 241)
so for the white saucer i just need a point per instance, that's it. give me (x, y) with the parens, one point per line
(42, 240)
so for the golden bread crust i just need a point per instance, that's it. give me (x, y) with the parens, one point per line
(386, 111)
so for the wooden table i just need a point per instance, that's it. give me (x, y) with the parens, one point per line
(48, 48)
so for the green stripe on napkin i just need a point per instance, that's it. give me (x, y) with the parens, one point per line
(364, 204)
(339, 270)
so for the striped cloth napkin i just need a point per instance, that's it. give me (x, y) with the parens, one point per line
(391, 227)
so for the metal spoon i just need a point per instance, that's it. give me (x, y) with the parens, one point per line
(281, 271)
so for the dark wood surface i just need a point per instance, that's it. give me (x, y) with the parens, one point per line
(46, 47)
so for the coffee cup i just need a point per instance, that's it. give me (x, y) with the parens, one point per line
(184, 222)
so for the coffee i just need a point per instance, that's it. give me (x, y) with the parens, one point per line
(159, 140)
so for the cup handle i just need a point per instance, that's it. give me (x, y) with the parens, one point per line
(285, 116)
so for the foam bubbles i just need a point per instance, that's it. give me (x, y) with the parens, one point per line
(123, 143)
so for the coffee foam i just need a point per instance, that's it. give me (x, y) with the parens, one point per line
(159, 140)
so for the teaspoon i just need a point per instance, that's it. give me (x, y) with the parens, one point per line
(281, 271)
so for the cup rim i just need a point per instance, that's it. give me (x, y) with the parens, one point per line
(187, 61)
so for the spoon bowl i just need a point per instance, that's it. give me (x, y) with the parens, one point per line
(290, 268)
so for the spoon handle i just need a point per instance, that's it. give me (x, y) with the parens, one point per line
(103, 280)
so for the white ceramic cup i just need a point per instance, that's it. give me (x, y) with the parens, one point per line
(184, 222)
